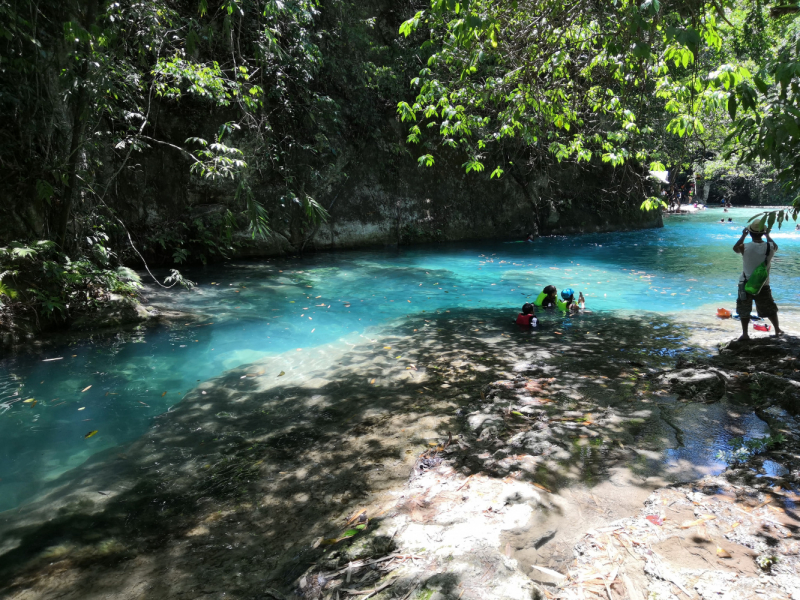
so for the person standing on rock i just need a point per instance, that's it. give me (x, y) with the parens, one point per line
(753, 254)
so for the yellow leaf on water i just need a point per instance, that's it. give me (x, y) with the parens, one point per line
(282, 373)
(90, 434)
(86, 388)
(81, 408)
(34, 403)
(387, 347)
(28, 400)
(372, 381)
(164, 394)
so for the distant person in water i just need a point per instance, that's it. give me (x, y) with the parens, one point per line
(527, 319)
(753, 254)
(730, 220)
(547, 298)
(529, 238)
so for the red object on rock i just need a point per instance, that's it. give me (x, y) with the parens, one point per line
(655, 519)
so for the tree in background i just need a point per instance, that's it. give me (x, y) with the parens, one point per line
(638, 85)
(236, 92)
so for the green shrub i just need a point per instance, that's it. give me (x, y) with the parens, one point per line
(40, 280)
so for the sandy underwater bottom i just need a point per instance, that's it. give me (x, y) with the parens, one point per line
(445, 456)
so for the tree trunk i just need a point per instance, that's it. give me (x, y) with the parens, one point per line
(79, 114)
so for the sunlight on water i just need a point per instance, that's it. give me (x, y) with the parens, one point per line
(247, 310)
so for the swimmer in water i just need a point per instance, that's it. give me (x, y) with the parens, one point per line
(527, 319)
(548, 297)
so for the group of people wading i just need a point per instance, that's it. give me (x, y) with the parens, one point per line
(549, 299)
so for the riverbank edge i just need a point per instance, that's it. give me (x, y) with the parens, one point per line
(112, 316)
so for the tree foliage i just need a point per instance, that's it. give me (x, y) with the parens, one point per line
(651, 83)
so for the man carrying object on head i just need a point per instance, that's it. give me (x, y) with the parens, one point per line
(753, 254)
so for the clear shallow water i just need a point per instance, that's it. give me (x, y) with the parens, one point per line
(252, 310)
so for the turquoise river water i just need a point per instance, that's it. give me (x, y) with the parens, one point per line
(254, 309)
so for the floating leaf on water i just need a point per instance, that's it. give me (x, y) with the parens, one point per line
(52, 359)
(106, 394)
(282, 373)
(34, 403)
(164, 394)
(372, 381)
(387, 347)
(86, 388)
(81, 408)
(90, 434)
(722, 553)
(28, 401)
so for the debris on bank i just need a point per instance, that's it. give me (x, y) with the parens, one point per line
(446, 534)
(708, 540)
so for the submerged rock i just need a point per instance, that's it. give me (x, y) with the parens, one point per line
(701, 385)
(114, 312)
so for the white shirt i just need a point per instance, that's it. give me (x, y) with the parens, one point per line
(753, 256)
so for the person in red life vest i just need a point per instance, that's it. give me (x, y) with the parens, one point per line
(526, 318)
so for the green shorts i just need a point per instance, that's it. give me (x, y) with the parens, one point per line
(765, 305)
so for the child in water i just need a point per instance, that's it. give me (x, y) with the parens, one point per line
(548, 297)
(526, 318)
(569, 303)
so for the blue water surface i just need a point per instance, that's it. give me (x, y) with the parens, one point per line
(251, 310)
